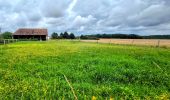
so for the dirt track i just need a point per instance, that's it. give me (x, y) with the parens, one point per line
(150, 42)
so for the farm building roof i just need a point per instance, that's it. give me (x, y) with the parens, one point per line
(25, 31)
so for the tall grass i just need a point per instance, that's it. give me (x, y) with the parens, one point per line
(34, 70)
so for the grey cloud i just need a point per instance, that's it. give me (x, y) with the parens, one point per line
(55, 21)
(54, 8)
(155, 17)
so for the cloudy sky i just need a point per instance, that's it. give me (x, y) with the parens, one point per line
(143, 17)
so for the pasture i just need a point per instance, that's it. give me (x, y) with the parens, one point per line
(40, 70)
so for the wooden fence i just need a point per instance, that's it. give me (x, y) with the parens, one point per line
(6, 41)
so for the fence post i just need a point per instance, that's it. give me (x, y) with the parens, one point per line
(132, 41)
(158, 43)
(110, 41)
(4, 42)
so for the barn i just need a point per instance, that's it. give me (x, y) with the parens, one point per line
(26, 33)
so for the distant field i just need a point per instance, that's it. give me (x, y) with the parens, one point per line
(35, 70)
(149, 42)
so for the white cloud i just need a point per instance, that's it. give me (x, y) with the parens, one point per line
(79, 20)
(70, 8)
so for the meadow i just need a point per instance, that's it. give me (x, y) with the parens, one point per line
(41, 70)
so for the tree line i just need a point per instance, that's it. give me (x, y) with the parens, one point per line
(64, 35)
(124, 36)
(157, 37)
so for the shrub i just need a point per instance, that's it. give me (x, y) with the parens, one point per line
(7, 35)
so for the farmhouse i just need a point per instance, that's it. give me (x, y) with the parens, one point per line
(24, 33)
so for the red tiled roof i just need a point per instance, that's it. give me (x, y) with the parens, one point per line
(25, 31)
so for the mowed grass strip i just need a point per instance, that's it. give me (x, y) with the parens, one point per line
(35, 70)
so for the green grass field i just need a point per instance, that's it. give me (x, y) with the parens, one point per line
(35, 70)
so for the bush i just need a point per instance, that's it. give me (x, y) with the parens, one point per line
(7, 35)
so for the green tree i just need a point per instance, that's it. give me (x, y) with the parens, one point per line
(61, 35)
(54, 35)
(7, 35)
(72, 36)
(66, 35)
(83, 37)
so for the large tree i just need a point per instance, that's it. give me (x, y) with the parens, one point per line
(72, 36)
(54, 35)
(7, 35)
(61, 35)
(66, 35)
